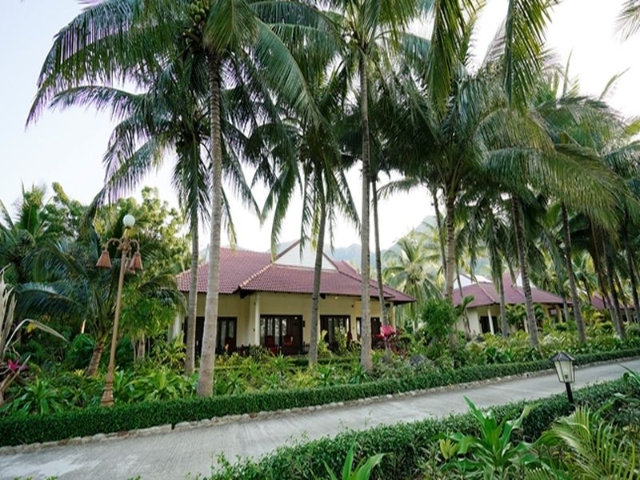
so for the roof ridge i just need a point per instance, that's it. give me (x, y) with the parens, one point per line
(485, 292)
(255, 275)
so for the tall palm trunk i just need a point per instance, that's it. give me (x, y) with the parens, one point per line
(365, 322)
(96, 355)
(317, 278)
(524, 273)
(597, 265)
(504, 326)
(617, 320)
(376, 233)
(450, 262)
(190, 359)
(436, 207)
(623, 300)
(465, 313)
(582, 337)
(632, 270)
(208, 358)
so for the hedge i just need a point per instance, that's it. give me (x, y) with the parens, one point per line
(405, 445)
(19, 429)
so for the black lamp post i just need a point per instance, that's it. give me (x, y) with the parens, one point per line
(565, 371)
(129, 262)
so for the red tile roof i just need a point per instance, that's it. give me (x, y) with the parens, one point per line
(236, 266)
(485, 293)
(243, 270)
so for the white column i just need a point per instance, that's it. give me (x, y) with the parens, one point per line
(490, 321)
(256, 320)
(175, 329)
(392, 315)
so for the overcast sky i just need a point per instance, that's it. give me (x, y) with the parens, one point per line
(67, 146)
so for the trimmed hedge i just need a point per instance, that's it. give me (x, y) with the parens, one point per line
(16, 430)
(406, 445)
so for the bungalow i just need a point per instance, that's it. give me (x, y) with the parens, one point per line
(484, 311)
(268, 302)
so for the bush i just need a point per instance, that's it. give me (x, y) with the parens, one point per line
(57, 426)
(405, 445)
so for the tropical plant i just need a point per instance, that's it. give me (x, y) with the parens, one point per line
(11, 368)
(368, 29)
(590, 449)
(492, 453)
(362, 471)
(240, 39)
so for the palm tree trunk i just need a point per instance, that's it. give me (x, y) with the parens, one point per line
(624, 301)
(617, 320)
(376, 233)
(582, 337)
(450, 263)
(524, 273)
(98, 348)
(208, 358)
(465, 314)
(504, 326)
(317, 278)
(365, 322)
(190, 359)
(440, 228)
(141, 348)
(632, 270)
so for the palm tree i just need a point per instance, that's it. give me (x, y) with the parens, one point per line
(20, 236)
(111, 40)
(412, 267)
(71, 286)
(169, 116)
(368, 28)
(571, 121)
(308, 156)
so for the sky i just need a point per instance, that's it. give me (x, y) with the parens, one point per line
(67, 146)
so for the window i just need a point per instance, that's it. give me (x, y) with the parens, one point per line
(375, 327)
(485, 326)
(332, 325)
(281, 333)
(226, 339)
(226, 335)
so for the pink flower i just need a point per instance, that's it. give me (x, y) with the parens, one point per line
(387, 331)
(16, 366)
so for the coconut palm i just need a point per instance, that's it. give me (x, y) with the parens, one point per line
(169, 117)
(307, 156)
(110, 40)
(412, 267)
(73, 288)
(368, 29)
(20, 235)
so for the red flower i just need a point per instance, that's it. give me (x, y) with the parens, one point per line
(16, 366)
(387, 331)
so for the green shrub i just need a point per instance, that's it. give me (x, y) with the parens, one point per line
(404, 445)
(16, 430)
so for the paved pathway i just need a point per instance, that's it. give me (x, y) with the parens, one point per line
(172, 455)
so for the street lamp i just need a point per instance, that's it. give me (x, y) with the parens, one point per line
(565, 371)
(128, 263)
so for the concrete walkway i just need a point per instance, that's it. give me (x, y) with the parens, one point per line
(175, 454)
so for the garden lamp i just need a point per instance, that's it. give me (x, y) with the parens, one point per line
(128, 262)
(565, 371)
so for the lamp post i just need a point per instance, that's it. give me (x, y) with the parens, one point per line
(129, 263)
(565, 371)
